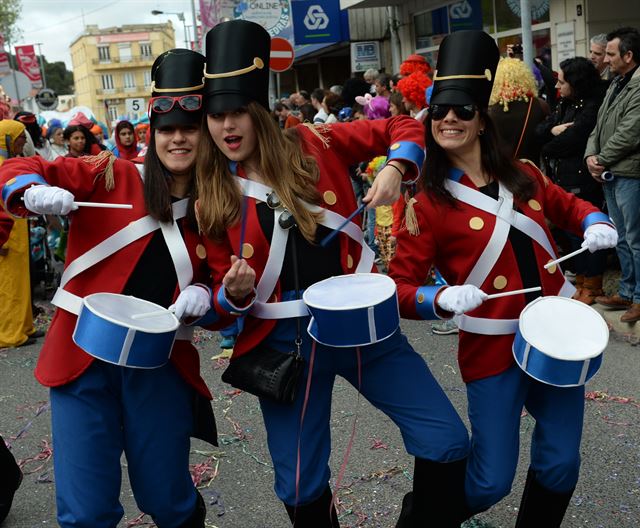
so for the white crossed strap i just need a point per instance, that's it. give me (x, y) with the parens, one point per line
(132, 232)
(506, 216)
(266, 286)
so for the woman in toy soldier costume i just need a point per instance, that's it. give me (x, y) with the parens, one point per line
(482, 222)
(101, 409)
(256, 185)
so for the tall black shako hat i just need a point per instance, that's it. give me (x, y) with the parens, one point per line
(237, 69)
(467, 62)
(174, 73)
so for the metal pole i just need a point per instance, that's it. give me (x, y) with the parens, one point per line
(44, 77)
(527, 38)
(197, 45)
(13, 72)
(186, 35)
(392, 12)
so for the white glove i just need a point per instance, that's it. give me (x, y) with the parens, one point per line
(43, 199)
(600, 236)
(193, 301)
(461, 299)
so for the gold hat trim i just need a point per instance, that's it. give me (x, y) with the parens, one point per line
(165, 90)
(487, 75)
(257, 64)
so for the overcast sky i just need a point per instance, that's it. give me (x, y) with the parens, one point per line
(57, 23)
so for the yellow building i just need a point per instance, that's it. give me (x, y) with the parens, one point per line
(112, 67)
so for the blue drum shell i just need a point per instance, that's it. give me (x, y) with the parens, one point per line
(553, 371)
(120, 345)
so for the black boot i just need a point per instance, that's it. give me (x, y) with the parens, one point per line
(314, 514)
(438, 497)
(10, 479)
(198, 516)
(540, 506)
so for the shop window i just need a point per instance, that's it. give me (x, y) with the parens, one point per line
(431, 27)
(541, 42)
(507, 13)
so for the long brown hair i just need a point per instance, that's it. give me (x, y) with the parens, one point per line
(157, 187)
(291, 173)
(495, 161)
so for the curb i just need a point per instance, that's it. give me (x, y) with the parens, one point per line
(612, 317)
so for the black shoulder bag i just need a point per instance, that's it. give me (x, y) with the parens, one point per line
(263, 371)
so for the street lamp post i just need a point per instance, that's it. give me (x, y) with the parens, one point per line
(44, 77)
(181, 18)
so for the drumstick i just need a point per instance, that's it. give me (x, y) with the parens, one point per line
(150, 314)
(513, 292)
(333, 234)
(105, 205)
(572, 254)
(99, 204)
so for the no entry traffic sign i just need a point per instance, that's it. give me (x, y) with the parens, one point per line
(281, 57)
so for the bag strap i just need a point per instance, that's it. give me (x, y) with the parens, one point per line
(296, 285)
(524, 128)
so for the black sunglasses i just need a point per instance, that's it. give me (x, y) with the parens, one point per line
(464, 112)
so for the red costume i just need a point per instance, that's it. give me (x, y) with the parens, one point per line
(61, 360)
(453, 238)
(334, 148)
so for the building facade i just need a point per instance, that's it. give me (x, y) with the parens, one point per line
(560, 28)
(112, 67)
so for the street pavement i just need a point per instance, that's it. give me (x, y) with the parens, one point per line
(236, 479)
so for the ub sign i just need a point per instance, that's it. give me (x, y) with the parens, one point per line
(365, 55)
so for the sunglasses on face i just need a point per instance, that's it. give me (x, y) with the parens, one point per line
(463, 112)
(165, 103)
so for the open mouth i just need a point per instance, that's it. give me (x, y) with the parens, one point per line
(450, 132)
(180, 152)
(233, 142)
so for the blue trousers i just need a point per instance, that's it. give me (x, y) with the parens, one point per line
(395, 379)
(110, 410)
(623, 203)
(495, 408)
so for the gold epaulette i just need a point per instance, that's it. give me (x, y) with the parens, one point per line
(319, 131)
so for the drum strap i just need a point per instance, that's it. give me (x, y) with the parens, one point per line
(285, 310)
(132, 232)
(506, 217)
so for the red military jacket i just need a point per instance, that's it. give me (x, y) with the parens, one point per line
(335, 147)
(61, 360)
(453, 238)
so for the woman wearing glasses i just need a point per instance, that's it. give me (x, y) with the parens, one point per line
(101, 409)
(267, 242)
(465, 178)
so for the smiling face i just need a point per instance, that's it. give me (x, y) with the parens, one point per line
(234, 134)
(77, 142)
(176, 147)
(456, 136)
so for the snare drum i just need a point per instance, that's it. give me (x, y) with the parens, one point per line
(560, 341)
(107, 330)
(352, 310)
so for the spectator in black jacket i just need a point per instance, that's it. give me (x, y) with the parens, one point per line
(564, 136)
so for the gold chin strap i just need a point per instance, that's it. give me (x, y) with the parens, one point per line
(165, 90)
(487, 75)
(258, 64)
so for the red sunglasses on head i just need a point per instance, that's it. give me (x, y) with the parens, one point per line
(165, 103)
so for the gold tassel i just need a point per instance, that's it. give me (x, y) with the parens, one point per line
(107, 171)
(319, 131)
(411, 219)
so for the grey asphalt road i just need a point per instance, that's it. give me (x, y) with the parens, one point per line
(236, 479)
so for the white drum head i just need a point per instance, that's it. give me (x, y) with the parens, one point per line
(564, 328)
(119, 310)
(349, 292)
